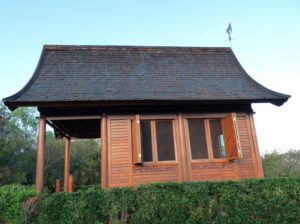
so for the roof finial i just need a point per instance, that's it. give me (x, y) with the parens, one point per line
(229, 31)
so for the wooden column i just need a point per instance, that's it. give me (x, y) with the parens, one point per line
(57, 185)
(40, 159)
(71, 184)
(186, 166)
(260, 171)
(103, 152)
(67, 165)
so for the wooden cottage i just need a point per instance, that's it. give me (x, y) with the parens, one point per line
(163, 113)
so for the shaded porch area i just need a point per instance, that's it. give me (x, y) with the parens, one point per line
(66, 126)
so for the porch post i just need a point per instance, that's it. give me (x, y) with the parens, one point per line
(67, 164)
(40, 159)
(103, 152)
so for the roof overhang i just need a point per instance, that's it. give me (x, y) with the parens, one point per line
(65, 104)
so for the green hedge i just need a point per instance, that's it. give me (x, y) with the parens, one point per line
(249, 201)
(12, 198)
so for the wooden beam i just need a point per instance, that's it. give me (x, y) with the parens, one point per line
(103, 153)
(63, 118)
(40, 159)
(56, 127)
(67, 165)
(63, 127)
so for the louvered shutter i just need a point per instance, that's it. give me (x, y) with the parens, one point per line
(231, 140)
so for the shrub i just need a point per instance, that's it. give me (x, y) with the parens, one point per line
(247, 201)
(11, 200)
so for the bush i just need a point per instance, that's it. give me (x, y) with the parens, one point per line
(11, 200)
(248, 201)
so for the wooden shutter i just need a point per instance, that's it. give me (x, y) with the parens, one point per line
(136, 141)
(230, 133)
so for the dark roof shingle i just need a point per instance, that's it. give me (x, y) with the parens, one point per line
(126, 73)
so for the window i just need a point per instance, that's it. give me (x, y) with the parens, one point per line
(156, 142)
(197, 139)
(146, 141)
(165, 140)
(217, 138)
(207, 138)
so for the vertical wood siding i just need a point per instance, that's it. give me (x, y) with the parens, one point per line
(246, 166)
(122, 172)
(119, 143)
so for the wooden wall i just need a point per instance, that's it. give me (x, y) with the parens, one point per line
(119, 152)
(121, 171)
(249, 166)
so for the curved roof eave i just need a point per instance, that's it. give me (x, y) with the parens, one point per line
(284, 97)
(13, 97)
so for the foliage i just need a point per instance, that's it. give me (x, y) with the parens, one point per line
(279, 165)
(250, 201)
(84, 161)
(11, 200)
(24, 119)
(17, 145)
(18, 132)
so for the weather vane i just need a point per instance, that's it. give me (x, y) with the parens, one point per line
(229, 31)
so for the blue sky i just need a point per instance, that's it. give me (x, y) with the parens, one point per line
(266, 41)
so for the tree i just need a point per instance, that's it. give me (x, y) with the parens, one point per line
(16, 145)
(84, 161)
(285, 164)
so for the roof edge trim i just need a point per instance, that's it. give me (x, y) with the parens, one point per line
(6, 100)
(284, 97)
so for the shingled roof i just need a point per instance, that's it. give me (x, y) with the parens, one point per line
(126, 73)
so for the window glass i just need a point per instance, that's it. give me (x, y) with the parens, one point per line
(146, 142)
(217, 138)
(165, 140)
(197, 139)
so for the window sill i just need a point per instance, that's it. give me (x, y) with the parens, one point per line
(223, 160)
(161, 163)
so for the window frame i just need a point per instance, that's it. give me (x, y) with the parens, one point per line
(206, 118)
(153, 119)
(181, 138)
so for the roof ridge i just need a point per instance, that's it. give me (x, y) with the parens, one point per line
(138, 47)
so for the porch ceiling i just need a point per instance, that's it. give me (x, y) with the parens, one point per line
(86, 128)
